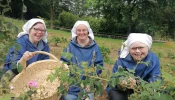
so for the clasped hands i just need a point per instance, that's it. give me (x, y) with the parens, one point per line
(130, 85)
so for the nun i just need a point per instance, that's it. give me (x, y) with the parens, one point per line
(32, 38)
(134, 50)
(84, 49)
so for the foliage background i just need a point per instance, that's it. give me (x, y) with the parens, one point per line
(109, 47)
(107, 17)
(114, 17)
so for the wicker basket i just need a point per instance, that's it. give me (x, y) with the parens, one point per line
(38, 72)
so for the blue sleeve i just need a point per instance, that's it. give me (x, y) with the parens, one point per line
(99, 60)
(11, 58)
(46, 49)
(117, 63)
(155, 73)
(14, 55)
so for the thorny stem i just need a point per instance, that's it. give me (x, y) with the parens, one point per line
(61, 90)
(93, 77)
(90, 76)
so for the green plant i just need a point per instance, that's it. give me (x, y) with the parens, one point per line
(81, 76)
(94, 23)
(57, 40)
(8, 34)
(97, 83)
(171, 55)
(105, 53)
(32, 91)
(159, 54)
(67, 19)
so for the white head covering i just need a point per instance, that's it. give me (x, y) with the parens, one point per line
(134, 37)
(28, 25)
(74, 34)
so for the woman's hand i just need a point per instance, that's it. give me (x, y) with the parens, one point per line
(132, 82)
(124, 85)
(27, 55)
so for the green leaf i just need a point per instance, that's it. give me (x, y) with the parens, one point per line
(19, 67)
(6, 9)
(9, 25)
(14, 66)
(72, 81)
(146, 63)
(6, 96)
(120, 69)
(64, 76)
(0, 22)
(67, 55)
(30, 92)
(114, 81)
(98, 67)
(131, 71)
(2, 36)
(62, 89)
(51, 77)
(84, 64)
(144, 93)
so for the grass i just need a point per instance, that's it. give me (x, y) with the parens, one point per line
(159, 48)
(164, 50)
(16, 22)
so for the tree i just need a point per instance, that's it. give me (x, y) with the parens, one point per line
(166, 12)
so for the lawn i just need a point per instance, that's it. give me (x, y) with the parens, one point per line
(164, 50)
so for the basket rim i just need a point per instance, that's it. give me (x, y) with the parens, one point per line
(30, 66)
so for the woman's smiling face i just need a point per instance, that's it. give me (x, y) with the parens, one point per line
(138, 51)
(82, 32)
(36, 33)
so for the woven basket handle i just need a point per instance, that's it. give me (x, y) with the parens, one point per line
(46, 53)
(39, 52)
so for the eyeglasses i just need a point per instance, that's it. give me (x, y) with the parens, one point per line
(37, 30)
(139, 48)
(83, 30)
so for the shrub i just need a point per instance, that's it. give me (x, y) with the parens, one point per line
(57, 40)
(105, 53)
(67, 19)
(94, 23)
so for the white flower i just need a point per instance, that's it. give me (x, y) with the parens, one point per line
(11, 87)
(66, 66)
